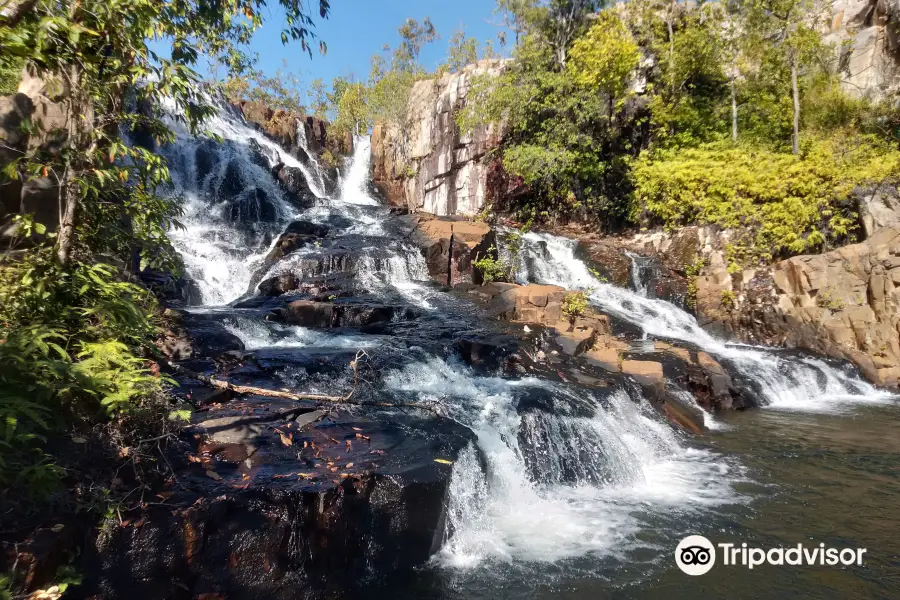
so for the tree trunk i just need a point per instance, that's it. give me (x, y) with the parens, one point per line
(65, 239)
(796, 104)
(734, 113)
(671, 29)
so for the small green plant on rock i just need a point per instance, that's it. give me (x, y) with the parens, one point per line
(575, 304)
(596, 275)
(826, 299)
(492, 269)
(729, 299)
(692, 271)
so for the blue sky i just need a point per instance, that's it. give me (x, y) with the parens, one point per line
(357, 29)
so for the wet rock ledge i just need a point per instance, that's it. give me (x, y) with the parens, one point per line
(279, 500)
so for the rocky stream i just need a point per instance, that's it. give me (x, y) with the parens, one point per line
(484, 443)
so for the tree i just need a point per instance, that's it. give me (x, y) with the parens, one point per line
(515, 15)
(319, 102)
(99, 52)
(283, 91)
(414, 36)
(605, 58)
(393, 72)
(558, 22)
(784, 34)
(463, 50)
(352, 109)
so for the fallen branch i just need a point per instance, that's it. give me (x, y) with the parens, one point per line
(258, 391)
(320, 398)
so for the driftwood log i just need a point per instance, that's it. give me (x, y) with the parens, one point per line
(320, 398)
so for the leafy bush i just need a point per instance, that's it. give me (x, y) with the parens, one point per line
(72, 346)
(575, 304)
(781, 204)
(492, 269)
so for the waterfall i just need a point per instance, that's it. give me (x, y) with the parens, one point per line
(641, 274)
(781, 381)
(544, 486)
(556, 471)
(354, 187)
(233, 207)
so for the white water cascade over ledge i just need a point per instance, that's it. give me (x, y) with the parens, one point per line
(783, 382)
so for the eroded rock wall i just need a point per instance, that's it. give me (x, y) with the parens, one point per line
(866, 35)
(428, 164)
(844, 303)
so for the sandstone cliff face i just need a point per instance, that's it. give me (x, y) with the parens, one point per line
(867, 35)
(844, 303)
(428, 164)
(284, 127)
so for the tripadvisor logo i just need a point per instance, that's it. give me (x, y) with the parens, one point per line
(696, 555)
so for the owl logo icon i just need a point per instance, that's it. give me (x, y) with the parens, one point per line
(695, 555)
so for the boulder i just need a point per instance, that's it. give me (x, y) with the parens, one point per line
(294, 183)
(450, 246)
(254, 516)
(307, 313)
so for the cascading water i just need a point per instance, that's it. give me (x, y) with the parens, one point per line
(233, 208)
(354, 187)
(641, 273)
(556, 483)
(560, 484)
(558, 472)
(782, 382)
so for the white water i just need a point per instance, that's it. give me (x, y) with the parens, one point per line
(559, 486)
(784, 383)
(255, 333)
(223, 242)
(353, 188)
(221, 250)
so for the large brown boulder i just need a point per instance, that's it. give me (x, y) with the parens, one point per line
(43, 106)
(450, 246)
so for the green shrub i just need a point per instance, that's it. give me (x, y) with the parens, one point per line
(728, 300)
(575, 304)
(780, 204)
(72, 344)
(492, 269)
(827, 299)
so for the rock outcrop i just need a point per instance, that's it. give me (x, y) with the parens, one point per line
(300, 135)
(293, 129)
(44, 108)
(587, 348)
(427, 164)
(450, 245)
(844, 303)
(865, 32)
